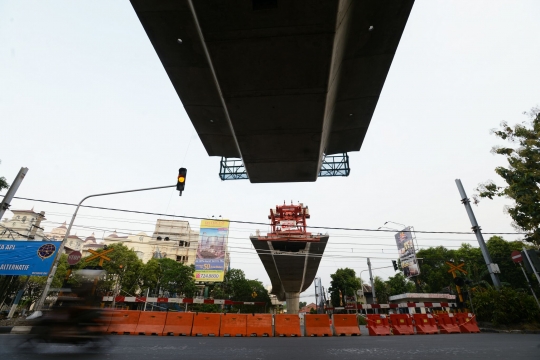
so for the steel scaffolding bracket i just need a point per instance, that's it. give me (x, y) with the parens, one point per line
(332, 165)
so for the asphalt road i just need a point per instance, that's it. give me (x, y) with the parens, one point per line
(438, 347)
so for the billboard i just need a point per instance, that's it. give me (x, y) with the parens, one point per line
(210, 259)
(27, 257)
(407, 253)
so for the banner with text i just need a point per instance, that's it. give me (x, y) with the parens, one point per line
(27, 257)
(210, 259)
(407, 253)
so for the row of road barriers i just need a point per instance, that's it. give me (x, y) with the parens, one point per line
(133, 322)
(424, 324)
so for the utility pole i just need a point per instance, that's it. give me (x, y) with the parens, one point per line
(492, 268)
(371, 280)
(34, 228)
(6, 202)
(41, 301)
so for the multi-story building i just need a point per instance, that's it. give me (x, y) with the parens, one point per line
(171, 239)
(24, 225)
(73, 242)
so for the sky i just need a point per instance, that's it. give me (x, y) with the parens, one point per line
(86, 105)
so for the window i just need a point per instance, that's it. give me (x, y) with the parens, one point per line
(141, 238)
(24, 219)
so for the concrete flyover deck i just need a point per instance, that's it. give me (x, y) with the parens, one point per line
(291, 266)
(278, 83)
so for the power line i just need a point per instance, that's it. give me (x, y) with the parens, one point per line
(259, 223)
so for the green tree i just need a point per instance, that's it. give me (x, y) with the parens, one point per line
(398, 284)
(302, 304)
(168, 275)
(3, 182)
(434, 274)
(344, 283)
(236, 287)
(505, 307)
(381, 290)
(522, 175)
(124, 271)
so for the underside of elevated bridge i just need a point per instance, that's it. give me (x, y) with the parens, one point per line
(277, 83)
(291, 266)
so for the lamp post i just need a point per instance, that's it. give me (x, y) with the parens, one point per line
(39, 305)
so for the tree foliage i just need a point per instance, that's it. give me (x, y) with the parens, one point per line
(236, 287)
(434, 276)
(522, 175)
(344, 283)
(166, 276)
(3, 182)
(399, 284)
(505, 307)
(124, 271)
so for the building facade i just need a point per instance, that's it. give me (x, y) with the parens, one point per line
(172, 239)
(24, 225)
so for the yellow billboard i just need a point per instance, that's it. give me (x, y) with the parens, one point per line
(211, 251)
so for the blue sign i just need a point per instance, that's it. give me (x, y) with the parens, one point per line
(27, 257)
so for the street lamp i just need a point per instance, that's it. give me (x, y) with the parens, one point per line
(39, 305)
(404, 226)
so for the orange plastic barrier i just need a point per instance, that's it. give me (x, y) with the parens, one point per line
(467, 323)
(151, 323)
(345, 325)
(102, 323)
(206, 324)
(401, 324)
(378, 325)
(447, 323)
(259, 325)
(287, 325)
(233, 325)
(317, 325)
(124, 322)
(425, 324)
(178, 323)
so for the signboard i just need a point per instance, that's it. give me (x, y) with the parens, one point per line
(210, 259)
(516, 256)
(407, 253)
(74, 258)
(27, 257)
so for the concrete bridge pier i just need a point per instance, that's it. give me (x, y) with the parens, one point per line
(293, 302)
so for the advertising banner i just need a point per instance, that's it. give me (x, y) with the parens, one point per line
(210, 259)
(407, 253)
(27, 257)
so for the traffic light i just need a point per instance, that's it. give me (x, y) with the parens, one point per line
(181, 183)
(394, 262)
(459, 281)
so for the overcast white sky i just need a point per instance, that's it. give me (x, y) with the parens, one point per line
(86, 105)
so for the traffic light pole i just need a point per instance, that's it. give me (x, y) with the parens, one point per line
(50, 278)
(372, 284)
(478, 233)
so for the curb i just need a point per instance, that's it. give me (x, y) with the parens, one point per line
(5, 329)
(509, 331)
(21, 329)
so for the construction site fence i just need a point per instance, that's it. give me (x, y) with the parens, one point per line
(159, 323)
